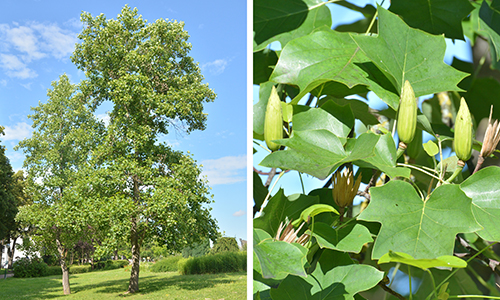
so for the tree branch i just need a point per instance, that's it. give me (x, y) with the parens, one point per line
(391, 291)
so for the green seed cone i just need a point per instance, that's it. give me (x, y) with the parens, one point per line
(407, 117)
(273, 123)
(463, 132)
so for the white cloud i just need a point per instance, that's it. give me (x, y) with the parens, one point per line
(17, 132)
(22, 44)
(58, 42)
(215, 67)
(15, 67)
(239, 213)
(27, 86)
(24, 40)
(225, 170)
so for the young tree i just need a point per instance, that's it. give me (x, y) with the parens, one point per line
(225, 244)
(64, 134)
(145, 71)
(18, 229)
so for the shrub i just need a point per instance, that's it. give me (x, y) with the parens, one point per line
(76, 269)
(26, 267)
(219, 263)
(110, 264)
(53, 270)
(168, 264)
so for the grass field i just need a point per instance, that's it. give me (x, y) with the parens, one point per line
(113, 285)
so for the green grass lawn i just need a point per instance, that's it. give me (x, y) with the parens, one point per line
(113, 285)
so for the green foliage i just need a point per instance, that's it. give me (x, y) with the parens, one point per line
(8, 201)
(197, 249)
(420, 211)
(168, 264)
(225, 262)
(225, 244)
(26, 267)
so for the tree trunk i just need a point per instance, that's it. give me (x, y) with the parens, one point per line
(11, 252)
(134, 275)
(65, 272)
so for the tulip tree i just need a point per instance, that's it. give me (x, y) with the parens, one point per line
(65, 132)
(419, 208)
(144, 71)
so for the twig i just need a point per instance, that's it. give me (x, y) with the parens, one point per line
(391, 291)
(364, 194)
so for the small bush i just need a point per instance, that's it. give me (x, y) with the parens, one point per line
(110, 264)
(168, 264)
(53, 270)
(26, 267)
(76, 269)
(219, 263)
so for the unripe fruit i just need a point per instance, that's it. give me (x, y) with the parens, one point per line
(273, 123)
(407, 116)
(463, 132)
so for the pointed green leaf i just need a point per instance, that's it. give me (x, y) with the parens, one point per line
(349, 238)
(319, 152)
(277, 259)
(484, 189)
(422, 229)
(434, 16)
(280, 207)
(285, 20)
(409, 54)
(384, 159)
(312, 211)
(327, 283)
(445, 261)
(263, 64)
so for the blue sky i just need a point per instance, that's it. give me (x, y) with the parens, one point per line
(37, 39)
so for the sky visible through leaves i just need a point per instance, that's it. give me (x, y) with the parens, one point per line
(37, 39)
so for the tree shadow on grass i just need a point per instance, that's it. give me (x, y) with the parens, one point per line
(151, 283)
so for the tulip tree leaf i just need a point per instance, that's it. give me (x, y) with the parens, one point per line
(349, 238)
(431, 148)
(409, 54)
(280, 207)
(325, 56)
(434, 16)
(446, 261)
(420, 228)
(328, 282)
(276, 259)
(319, 152)
(385, 158)
(484, 189)
(285, 20)
(314, 210)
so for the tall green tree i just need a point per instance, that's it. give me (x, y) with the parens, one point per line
(64, 135)
(8, 207)
(145, 71)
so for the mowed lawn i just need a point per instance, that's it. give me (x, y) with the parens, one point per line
(113, 285)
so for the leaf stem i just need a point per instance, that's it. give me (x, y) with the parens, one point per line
(433, 283)
(421, 170)
(473, 296)
(456, 270)
(409, 278)
(302, 183)
(322, 3)
(458, 170)
(269, 193)
(371, 23)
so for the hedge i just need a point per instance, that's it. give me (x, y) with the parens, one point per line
(225, 262)
(168, 264)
